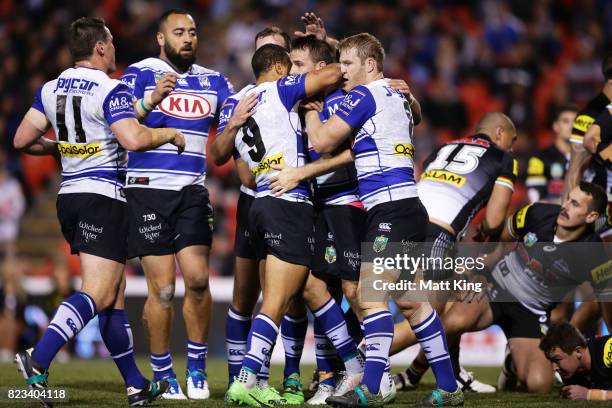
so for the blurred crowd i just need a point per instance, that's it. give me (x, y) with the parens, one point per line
(461, 59)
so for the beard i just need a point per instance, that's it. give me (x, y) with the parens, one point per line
(179, 61)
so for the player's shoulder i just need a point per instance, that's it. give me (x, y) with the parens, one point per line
(537, 212)
(151, 63)
(200, 70)
(241, 93)
(596, 105)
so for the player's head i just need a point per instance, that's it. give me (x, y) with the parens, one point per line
(90, 39)
(361, 57)
(273, 35)
(564, 121)
(177, 38)
(309, 53)
(565, 347)
(499, 127)
(271, 60)
(582, 206)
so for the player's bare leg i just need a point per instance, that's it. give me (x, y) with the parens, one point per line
(532, 367)
(197, 310)
(158, 314)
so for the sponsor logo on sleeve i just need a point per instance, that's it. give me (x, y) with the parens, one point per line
(521, 215)
(79, 150)
(290, 80)
(129, 80)
(583, 122)
(120, 103)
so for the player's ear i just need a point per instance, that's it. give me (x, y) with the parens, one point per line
(370, 65)
(100, 48)
(321, 64)
(161, 40)
(592, 216)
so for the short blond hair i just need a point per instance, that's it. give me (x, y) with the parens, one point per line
(367, 46)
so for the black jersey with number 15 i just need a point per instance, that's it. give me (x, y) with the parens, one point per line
(459, 178)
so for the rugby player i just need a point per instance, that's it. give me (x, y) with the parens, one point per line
(247, 281)
(93, 118)
(469, 173)
(281, 227)
(546, 264)
(381, 120)
(546, 170)
(584, 365)
(170, 215)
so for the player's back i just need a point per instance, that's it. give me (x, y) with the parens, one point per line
(81, 104)
(273, 135)
(459, 178)
(383, 144)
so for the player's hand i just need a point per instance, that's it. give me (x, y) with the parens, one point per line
(312, 104)
(178, 141)
(402, 86)
(244, 110)
(313, 25)
(286, 180)
(574, 392)
(164, 86)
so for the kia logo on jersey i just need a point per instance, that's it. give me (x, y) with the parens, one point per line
(185, 106)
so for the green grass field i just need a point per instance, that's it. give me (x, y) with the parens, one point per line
(96, 383)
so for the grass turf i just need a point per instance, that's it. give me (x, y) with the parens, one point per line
(96, 383)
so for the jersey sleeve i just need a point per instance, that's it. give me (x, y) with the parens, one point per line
(224, 91)
(517, 222)
(357, 107)
(37, 104)
(581, 124)
(600, 271)
(291, 90)
(134, 79)
(118, 104)
(508, 172)
(227, 110)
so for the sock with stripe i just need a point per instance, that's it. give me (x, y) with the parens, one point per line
(325, 352)
(71, 316)
(237, 327)
(117, 336)
(431, 337)
(378, 337)
(293, 331)
(261, 340)
(161, 364)
(196, 356)
(330, 318)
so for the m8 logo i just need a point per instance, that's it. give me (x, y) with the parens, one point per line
(185, 106)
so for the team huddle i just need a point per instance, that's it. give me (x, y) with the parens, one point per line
(323, 146)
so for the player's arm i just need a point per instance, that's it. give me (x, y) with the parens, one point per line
(580, 157)
(246, 176)
(499, 202)
(319, 80)
(593, 142)
(29, 136)
(134, 79)
(580, 393)
(222, 146)
(135, 137)
(289, 177)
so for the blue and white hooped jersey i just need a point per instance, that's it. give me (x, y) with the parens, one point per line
(383, 147)
(81, 105)
(191, 108)
(340, 186)
(273, 135)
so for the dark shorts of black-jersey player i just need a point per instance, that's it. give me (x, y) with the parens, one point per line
(282, 228)
(162, 222)
(243, 245)
(339, 230)
(94, 224)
